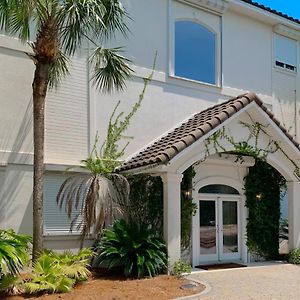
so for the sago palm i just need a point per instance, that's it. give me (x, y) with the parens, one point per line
(56, 29)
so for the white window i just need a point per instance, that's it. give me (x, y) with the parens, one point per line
(285, 53)
(56, 220)
(195, 52)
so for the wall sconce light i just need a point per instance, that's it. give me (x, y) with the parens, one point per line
(188, 193)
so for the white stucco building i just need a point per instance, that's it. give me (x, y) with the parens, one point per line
(241, 47)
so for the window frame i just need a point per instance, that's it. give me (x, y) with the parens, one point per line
(48, 232)
(274, 62)
(195, 15)
(215, 51)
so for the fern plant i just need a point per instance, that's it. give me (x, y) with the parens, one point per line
(14, 255)
(133, 246)
(53, 272)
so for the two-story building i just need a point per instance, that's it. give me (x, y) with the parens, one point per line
(208, 51)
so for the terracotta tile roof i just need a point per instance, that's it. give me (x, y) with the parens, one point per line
(273, 11)
(167, 147)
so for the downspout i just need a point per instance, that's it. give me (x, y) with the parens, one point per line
(295, 114)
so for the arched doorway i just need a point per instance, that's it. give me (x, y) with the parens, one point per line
(219, 223)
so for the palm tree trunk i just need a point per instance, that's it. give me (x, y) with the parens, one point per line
(39, 86)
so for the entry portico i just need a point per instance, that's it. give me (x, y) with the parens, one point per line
(209, 141)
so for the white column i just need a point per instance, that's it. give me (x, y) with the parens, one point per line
(172, 193)
(294, 214)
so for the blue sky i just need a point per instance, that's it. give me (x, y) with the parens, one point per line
(290, 7)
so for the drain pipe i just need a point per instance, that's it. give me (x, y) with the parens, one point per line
(296, 114)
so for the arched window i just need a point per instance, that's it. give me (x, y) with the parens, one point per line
(195, 52)
(218, 189)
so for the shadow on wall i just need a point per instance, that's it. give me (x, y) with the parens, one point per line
(16, 191)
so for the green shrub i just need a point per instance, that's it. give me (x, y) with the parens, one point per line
(180, 267)
(134, 247)
(53, 272)
(262, 189)
(294, 257)
(14, 255)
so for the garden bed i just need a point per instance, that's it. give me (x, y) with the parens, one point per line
(106, 287)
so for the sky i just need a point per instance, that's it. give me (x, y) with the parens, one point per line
(289, 7)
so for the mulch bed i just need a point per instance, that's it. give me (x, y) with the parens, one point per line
(113, 287)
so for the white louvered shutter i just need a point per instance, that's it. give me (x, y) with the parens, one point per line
(55, 219)
(285, 50)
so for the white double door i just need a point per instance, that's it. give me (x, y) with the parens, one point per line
(219, 228)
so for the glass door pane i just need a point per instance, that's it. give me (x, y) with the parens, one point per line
(208, 242)
(230, 227)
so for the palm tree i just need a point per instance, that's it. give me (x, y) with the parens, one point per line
(57, 28)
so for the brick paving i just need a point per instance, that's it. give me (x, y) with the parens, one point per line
(268, 282)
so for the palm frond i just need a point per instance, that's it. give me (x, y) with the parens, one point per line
(78, 20)
(94, 198)
(13, 252)
(58, 70)
(113, 20)
(110, 69)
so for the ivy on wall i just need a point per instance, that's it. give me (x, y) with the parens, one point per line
(145, 204)
(262, 184)
(249, 146)
(262, 190)
(188, 208)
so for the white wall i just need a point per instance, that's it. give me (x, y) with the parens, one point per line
(76, 111)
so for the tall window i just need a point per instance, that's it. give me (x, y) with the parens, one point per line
(56, 219)
(285, 53)
(195, 52)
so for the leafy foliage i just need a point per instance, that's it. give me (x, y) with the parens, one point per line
(133, 246)
(294, 257)
(145, 205)
(61, 27)
(180, 267)
(14, 255)
(262, 190)
(13, 251)
(188, 208)
(53, 272)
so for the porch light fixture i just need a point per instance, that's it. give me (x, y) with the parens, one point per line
(187, 193)
(258, 197)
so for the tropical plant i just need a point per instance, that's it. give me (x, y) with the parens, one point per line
(13, 251)
(53, 272)
(145, 205)
(134, 247)
(101, 194)
(180, 267)
(57, 28)
(294, 257)
(14, 255)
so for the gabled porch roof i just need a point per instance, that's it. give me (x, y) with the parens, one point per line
(197, 126)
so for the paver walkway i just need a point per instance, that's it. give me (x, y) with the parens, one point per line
(270, 282)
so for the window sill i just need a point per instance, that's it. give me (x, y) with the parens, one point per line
(63, 235)
(285, 71)
(190, 83)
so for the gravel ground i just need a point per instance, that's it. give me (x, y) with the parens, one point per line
(268, 282)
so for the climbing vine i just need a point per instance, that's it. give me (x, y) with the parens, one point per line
(262, 184)
(242, 148)
(146, 203)
(188, 208)
(262, 190)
